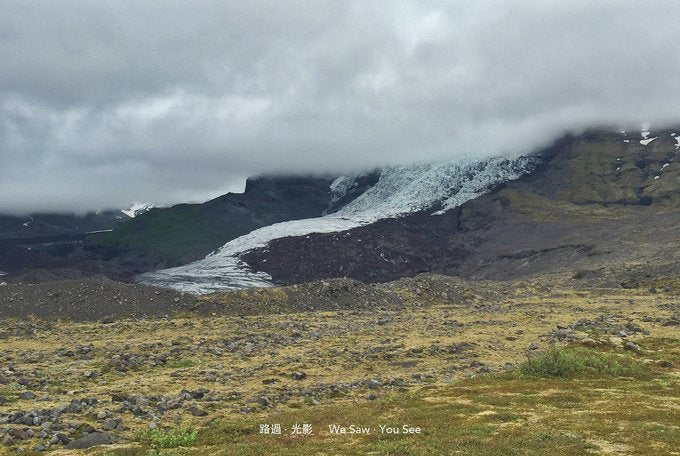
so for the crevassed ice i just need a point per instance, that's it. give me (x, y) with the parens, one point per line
(400, 190)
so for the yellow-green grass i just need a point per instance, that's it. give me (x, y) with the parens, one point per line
(622, 402)
(505, 415)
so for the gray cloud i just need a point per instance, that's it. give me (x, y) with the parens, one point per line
(105, 103)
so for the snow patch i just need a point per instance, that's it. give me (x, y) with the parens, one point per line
(2, 273)
(400, 190)
(136, 209)
(656, 177)
(100, 231)
(644, 142)
(664, 166)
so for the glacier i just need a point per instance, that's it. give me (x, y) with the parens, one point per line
(400, 190)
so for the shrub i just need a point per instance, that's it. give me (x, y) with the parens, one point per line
(170, 438)
(558, 362)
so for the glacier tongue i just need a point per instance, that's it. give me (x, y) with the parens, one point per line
(399, 191)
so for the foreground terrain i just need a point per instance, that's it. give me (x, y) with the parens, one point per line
(470, 364)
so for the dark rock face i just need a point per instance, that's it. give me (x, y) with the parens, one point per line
(597, 200)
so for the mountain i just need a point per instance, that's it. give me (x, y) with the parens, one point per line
(398, 192)
(598, 204)
(45, 225)
(601, 203)
(590, 202)
(122, 243)
(48, 241)
(163, 237)
(137, 209)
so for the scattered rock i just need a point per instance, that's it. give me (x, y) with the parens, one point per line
(119, 397)
(7, 440)
(665, 364)
(91, 440)
(588, 342)
(109, 424)
(194, 410)
(373, 383)
(632, 346)
(297, 375)
(20, 434)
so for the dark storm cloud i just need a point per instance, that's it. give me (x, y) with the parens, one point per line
(105, 103)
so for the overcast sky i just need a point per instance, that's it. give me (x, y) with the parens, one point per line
(103, 103)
